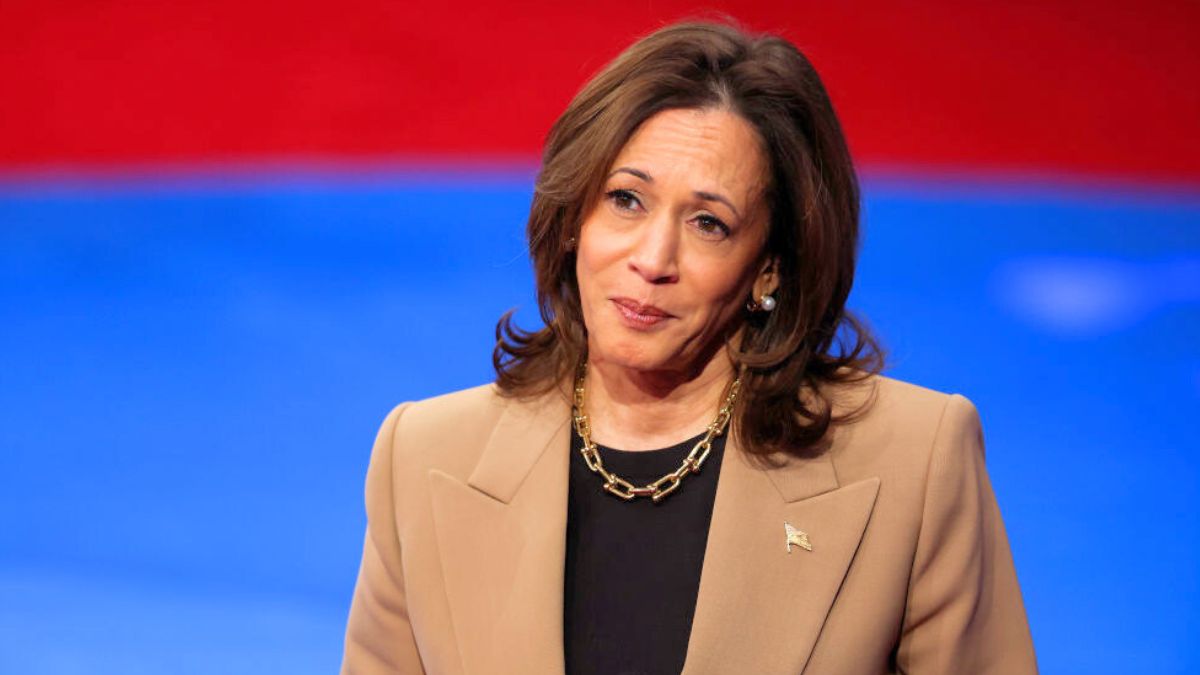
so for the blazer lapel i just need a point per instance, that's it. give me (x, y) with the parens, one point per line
(761, 608)
(501, 540)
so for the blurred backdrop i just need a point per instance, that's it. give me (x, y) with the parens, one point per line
(234, 234)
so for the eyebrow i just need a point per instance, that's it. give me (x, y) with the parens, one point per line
(706, 196)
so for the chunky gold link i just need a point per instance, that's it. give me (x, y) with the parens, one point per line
(593, 459)
(664, 486)
(619, 486)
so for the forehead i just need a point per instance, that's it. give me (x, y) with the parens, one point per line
(700, 149)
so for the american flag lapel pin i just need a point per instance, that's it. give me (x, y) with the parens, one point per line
(796, 537)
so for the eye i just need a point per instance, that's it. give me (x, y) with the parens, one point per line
(712, 226)
(623, 200)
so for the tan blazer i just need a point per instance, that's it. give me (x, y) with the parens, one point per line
(910, 570)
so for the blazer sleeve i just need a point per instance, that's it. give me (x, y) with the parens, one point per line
(379, 638)
(964, 612)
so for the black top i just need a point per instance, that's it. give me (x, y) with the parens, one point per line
(633, 568)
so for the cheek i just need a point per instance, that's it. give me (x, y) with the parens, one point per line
(719, 289)
(585, 271)
(595, 256)
(589, 274)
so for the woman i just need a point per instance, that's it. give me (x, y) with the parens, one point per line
(688, 469)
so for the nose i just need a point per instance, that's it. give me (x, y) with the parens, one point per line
(654, 255)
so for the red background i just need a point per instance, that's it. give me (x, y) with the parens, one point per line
(1099, 89)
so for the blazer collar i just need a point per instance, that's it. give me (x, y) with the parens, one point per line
(522, 434)
(502, 541)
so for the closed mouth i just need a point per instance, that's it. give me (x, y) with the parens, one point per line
(635, 307)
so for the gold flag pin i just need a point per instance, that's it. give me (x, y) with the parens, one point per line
(796, 537)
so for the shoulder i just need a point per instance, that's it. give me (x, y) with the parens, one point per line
(452, 412)
(463, 407)
(892, 406)
(886, 397)
(447, 431)
(900, 426)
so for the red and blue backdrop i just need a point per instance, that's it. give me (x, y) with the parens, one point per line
(234, 234)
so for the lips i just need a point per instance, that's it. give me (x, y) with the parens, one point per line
(638, 308)
(638, 315)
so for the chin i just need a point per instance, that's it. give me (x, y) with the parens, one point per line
(635, 355)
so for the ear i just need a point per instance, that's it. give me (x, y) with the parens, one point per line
(767, 281)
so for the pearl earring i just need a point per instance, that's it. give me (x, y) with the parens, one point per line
(767, 303)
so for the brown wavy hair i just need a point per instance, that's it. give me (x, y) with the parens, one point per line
(789, 357)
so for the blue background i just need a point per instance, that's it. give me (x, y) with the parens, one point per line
(192, 370)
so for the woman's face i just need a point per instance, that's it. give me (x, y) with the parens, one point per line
(672, 250)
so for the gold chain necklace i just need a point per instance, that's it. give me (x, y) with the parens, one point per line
(668, 483)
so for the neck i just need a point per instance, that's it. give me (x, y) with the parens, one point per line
(644, 410)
